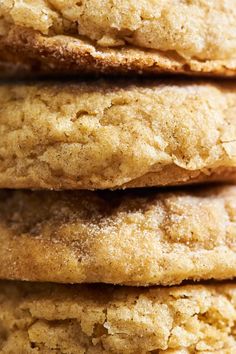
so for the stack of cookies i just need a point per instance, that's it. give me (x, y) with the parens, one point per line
(117, 208)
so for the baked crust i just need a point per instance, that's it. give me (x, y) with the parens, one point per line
(99, 135)
(137, 237)
(70, 56)
(119, 37)
(46, 318)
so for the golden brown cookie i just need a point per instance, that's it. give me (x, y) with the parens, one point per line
(110, 134)
(47, 318)
(132, 237)
(121, 36)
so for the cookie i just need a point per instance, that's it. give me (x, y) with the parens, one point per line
(121, 36)
(99, 135)
(128, 237)
(47, 318)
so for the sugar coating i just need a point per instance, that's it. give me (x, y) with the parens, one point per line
(46, 318)
(136, 237)
(110, 135)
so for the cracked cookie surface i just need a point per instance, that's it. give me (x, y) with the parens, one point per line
(47, 318)
(133, 237)
(100, 135)
(119, 36)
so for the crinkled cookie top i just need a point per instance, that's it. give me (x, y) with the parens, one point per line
(104, 135)
(47, 318)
